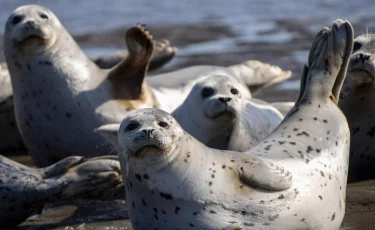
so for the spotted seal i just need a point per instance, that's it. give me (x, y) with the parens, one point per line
(25, 190)
(174, 181)
(60, 95)
(356, 101)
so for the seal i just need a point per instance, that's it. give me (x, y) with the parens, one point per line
(24, 190)
(60, 95)
(356, 102)
(220, 113)
(174, 181)
(11, 138)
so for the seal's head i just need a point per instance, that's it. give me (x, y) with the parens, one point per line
(216, 98)
(361, 70)
(149, 136)
(31, 29)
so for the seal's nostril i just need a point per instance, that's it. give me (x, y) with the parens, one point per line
(364, 57)
(150, 131)
(225, 99)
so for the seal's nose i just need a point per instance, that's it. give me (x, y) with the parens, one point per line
(361, 57)
(225, 99)
(364, 57)
(30, 23)
(148, 132)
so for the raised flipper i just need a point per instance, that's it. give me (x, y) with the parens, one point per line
(328, 61)
(109, 132)
(258, 75)
(163, 53)
(127, 77)
(260, 174)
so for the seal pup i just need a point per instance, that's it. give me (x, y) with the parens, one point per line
(24, 190)
(220, 113)
(174, 181)
(356, 102)
(60, 95)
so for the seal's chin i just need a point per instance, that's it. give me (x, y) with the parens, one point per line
(226, 113)
(147, 149)
(362, 75)
(33, 43)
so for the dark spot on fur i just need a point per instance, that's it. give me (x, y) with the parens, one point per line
(333, 216)
(166, 196)
(309, 149)
(145, 176)
(68, 115)
(371, 132)
(138, 177)
(177, 209)
(212, 212)
(320, 197)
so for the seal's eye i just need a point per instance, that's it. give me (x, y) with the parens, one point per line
(356, 46)
(206, 92)
(163, 124)
(234, 91)
(131, 126)
(44, 16)
(16, 20)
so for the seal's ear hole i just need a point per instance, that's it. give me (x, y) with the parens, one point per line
(131, 126)
(44, 16)
(234, 91)
(16, 20)
(356, 46)
(207, 91)
(163, 124)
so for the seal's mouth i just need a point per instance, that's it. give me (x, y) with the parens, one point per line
(146, 149)
(227, 112)
(32, 39)
(363, 73)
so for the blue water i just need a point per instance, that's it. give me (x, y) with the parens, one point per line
(249, 19)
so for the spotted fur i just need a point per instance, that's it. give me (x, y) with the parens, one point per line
(303, 163)
(60, 95)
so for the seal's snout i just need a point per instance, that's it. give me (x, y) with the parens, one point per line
(225, 99)
(148, 132)
(360, 58)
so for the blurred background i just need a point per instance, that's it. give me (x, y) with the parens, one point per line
(220, 32)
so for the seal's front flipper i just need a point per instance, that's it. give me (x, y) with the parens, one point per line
(129, 74)
(260, 174)
(60, 167)
(109, 132)
(233, 227)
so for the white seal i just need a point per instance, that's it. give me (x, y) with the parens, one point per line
(174, 181)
